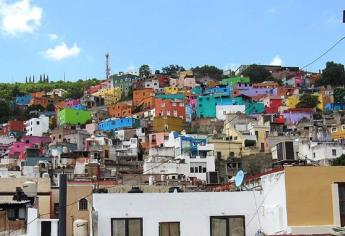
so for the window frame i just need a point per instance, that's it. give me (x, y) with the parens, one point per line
(170, 222)
(126, 224)
(82, 201)
(227, 217)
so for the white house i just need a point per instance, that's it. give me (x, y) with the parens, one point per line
(154, 84)
(164, 214)
(37, 126)
(320, 151)
(223, 110)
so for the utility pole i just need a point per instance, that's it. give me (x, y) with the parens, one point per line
(107, 67)
(343, 16)
(62, 204)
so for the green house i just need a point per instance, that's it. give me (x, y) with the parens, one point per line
(231, 81)
(69, 116)
(179, 96)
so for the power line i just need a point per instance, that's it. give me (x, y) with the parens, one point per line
(323, 54)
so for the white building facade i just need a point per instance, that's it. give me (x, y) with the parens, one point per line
(37, 126)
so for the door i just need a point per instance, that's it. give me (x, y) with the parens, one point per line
(46, 228)
(341, 192)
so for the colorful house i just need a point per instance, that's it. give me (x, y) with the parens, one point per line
(167, 124)
(250, 91)
(165, 107)
(13, 128)
(117, 124)
(120, 110)
(69, 116)
(43, 101)
(171, 90)
(231, 81)
(124, 82)
(110, 95)
(23, 100)
(179, 96)
(141, 94)
(222, 90)
(206, 105)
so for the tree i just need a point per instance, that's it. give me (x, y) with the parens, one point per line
(172, 69)
(333, 74)
(50, 107)
(144, 71)
(4, 111)
(340, 161)
(157, 72)
(208, 71)
(256, 73)
(308, 101)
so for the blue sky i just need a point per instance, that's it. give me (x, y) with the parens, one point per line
(71, 37)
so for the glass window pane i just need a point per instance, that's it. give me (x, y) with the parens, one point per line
(174, 229)
(236, 226)
(119, 228)
(218, 227)
(134, 227)
(164, 229)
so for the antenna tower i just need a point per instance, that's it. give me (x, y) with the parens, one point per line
(107, 67)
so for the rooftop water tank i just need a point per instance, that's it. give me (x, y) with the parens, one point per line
(80, 227)
(30, 188)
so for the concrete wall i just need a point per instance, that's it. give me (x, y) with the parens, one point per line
(192, 210)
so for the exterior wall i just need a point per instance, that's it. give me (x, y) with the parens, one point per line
(110, 95)
(224, 147)
(157, 139)
(115, 124)
(70, 116)
(37, 126)
(222, 110)
(120, 110)
(170, 108)
(196, 207)
(23, 100)
(273, 214)
(74, 193)
(13, 128)
(171, 90)
(167, 124)
(91, 128)
(140, 95)
(309, 199)
(320, 151)
(43, 101)
(231, 81)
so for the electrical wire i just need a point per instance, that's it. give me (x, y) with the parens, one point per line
(324, 53)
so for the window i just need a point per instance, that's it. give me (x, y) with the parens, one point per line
(334, 129)
(82, 204)
(192, 170)
(127, 227)
(37, 122)
(334, 152)
(169, 228)
(227, 226)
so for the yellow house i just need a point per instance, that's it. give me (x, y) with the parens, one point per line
(301, 200)
(292, 101)
(110, 95)
(338, 133)
(171, 90)
(233, 134)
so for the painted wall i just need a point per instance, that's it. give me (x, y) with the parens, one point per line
(192, 210)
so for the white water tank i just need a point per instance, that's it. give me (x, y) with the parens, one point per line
(45, 175)
(151, 180)
(30, 188)
(80, 227)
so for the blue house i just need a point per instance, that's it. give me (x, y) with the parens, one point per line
(221, 90)
(117, 124)
(23, 100)
(335, 106)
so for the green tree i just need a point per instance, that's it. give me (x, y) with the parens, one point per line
(339, 95)
(208, 71)
(172, 69)
(144, 71)
(308, 101)
(340, 161)
(333, 74)
(5, 111)
(257, 73)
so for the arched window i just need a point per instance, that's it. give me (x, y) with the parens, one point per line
(83, 204)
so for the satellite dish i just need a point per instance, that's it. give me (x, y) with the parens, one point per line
(239, 178)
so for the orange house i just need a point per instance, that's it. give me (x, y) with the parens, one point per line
(141, 94)
(120, 110)
(43, 101)
(38, 94)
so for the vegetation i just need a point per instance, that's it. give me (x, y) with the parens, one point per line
(172, 69)
(144, 71)
(208, 71)
(308, 101)
(340, 161)
(257, 74)
(333, 74)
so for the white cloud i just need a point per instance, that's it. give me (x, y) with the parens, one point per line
(131, 68)
(19, 17)
(276, 61)
(53, 37)
(61, 52)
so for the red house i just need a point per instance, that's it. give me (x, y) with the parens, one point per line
(166, 107)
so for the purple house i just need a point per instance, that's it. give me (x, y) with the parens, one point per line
(248, 90)
(293, 116)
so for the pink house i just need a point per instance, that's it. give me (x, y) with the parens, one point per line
(72, 102)
(17, 150)
(157, 139)
(191, 100)
(91, 128)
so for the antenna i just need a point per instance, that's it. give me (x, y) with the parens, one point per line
(107, 67)
(239, 179)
